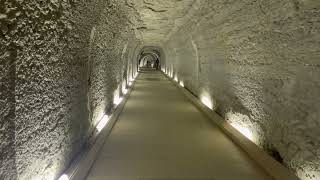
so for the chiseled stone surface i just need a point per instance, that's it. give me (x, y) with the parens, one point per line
(60, 65)
(7, 115)
(159, 18)
(63, 61)
(259, 63)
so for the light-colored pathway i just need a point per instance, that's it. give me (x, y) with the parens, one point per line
(160, 135)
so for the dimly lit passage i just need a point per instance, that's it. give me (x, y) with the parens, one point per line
(161, 135)
(70, 99)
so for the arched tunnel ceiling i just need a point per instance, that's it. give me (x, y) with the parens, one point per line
(154, 55)
(159, 18)
(155, 51)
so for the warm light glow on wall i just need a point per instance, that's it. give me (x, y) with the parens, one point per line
(181, 84)
(103, 122)
(176, 78)
(170, 74)
(125, 91)
(206, 100)
(243, 130)
(64, 177)
(99, 116)
(242, 123)
(116, 98)
(124, 88)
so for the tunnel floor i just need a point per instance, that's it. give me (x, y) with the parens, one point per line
(160, 134)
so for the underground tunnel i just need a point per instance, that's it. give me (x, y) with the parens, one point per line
(75, 73)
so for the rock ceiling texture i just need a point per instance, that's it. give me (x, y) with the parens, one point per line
(159, 19)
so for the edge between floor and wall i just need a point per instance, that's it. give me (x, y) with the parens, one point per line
(80, 167)
(266, 162)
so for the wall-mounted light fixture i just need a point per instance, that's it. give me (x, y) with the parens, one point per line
(116, 97)
(64, 177)
(176, 78)
(243, 130)
(103, 122)
(241, 123)
(181, 84)
(206, 100)
(117, 100)
(125, 91)
(124, 87)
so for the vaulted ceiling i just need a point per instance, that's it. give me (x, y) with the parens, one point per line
(159, 18)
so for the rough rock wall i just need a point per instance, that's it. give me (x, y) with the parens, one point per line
(109, 44)
(7, 108)
(258, 62)
(158, 18)
(131, 58)
(60, 63)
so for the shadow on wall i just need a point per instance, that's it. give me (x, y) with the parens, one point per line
(7, 113)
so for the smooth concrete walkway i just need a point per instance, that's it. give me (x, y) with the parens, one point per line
(160, 135)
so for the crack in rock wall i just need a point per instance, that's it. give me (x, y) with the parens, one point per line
(258, 64)
(61, 63)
